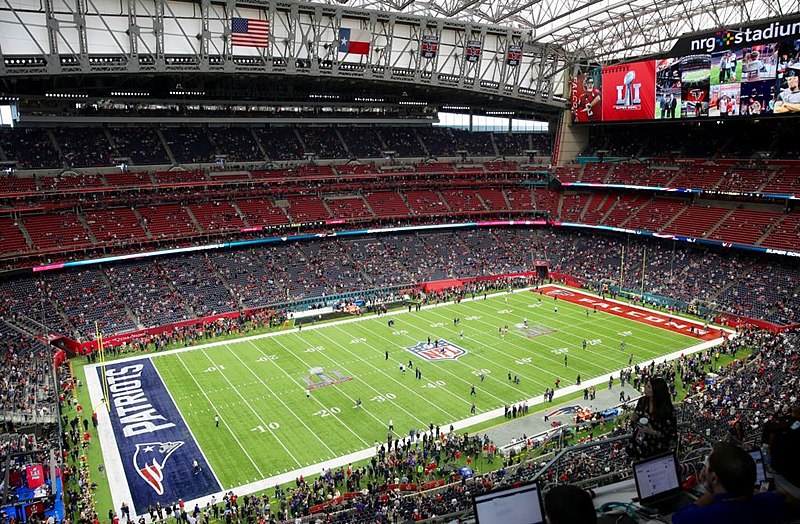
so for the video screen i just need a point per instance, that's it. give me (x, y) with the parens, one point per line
(748, 79)
(629, 91)
(586, 97)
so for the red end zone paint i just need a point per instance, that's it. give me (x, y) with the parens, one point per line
(651, 318)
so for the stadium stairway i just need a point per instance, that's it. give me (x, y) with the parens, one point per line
(193, 218)
(52, 138)
(239, 212)
(258, 143)
(174, 289)
(344, 143)
(128, 311)
(493, 142)
(421, 143)
(722, 290)
(225, 282)
(25, 234)
(82, 220)
(299, 138)
(674, 217)
(772, 227)
(718, 223)
(166, 146)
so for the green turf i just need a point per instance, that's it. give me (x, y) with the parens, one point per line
(268, 426)
(736, 78)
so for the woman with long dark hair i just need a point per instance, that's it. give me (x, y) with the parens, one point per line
(653, 422)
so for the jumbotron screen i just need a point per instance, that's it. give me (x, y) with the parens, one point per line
(741, 73)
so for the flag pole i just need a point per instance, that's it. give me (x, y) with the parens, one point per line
(102, 355)
(644, 259)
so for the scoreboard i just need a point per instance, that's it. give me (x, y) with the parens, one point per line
(752, 71)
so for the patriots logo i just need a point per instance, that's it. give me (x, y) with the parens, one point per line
(564, 410)
(444, 351)
(149, 460)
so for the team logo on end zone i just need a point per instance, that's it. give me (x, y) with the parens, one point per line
(443, 351)
(560, 292)
(150, 459)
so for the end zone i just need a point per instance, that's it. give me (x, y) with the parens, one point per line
(147, 446)
(640, 314)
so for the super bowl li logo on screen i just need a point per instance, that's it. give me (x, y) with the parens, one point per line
(628, 94)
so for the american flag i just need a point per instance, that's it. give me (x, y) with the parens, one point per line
(250, 32)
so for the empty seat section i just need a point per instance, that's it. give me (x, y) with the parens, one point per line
(167, 220)
(387, 204)
(116, 225)
(55, 231)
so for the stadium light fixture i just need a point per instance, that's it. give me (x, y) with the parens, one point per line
(130, 93)
(66, 95)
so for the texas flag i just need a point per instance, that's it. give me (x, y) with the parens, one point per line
(353, 41)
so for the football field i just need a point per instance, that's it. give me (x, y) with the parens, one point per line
(259, 407)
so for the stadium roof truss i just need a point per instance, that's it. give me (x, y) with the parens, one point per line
(598, 30)
(91, 37)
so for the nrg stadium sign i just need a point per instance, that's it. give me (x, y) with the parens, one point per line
(785, 29)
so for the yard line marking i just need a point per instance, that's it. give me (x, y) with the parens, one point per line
(398, 406)
(312, 396)
(441, 369)
(496, 348)
(222, 418)
(659, 333)
(448, 413)
(278, 396)
(609, 323)
(513, 341)
(603, 328)
(264, 423)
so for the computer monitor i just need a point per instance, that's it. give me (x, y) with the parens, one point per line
(761, 472)
(656, 477)
(520, 504)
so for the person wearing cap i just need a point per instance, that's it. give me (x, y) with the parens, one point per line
(789, 98)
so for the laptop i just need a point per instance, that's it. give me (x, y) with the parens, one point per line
(520, 504)
(761, 472)
(658, 485)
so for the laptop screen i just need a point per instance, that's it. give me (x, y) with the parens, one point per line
(656, 476)
(761, 474)
(517, 505)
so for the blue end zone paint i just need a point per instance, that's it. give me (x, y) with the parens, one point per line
(154, 443)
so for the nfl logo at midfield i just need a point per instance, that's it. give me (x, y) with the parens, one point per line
(443, 351)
